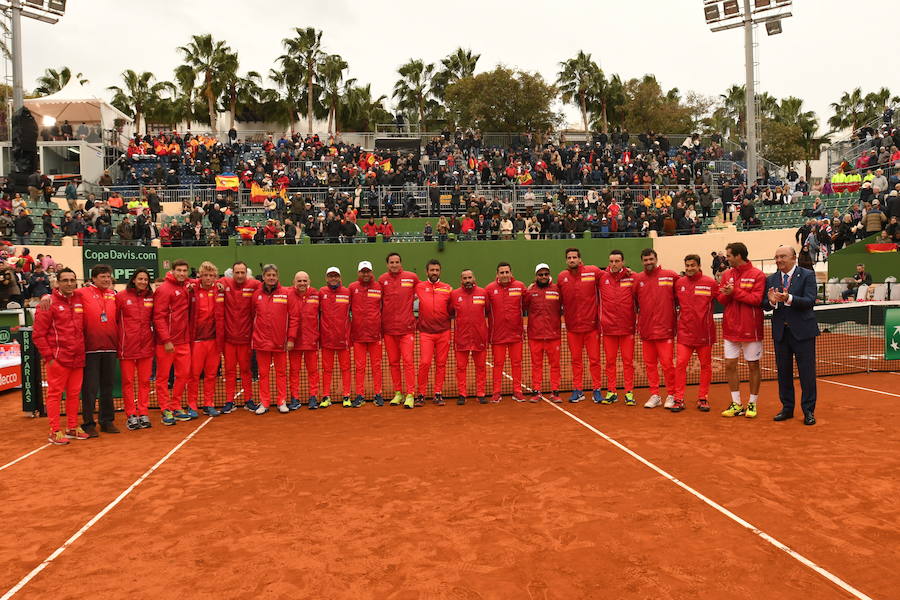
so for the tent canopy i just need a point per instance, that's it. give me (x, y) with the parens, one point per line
(76, 103)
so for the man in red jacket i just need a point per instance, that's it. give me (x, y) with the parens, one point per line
(741, 293)
(505, 328)
(334, 334)
(617, 324)
(238, 292)
(578, 290)
(171, 322)
(695, 293)
(304, 300)
(544, 309)
(398, 290)
(59, 337)
(655, 295)
(469, 307)
(274, 334)
(208, 338)
(100, 341)
(434, 331)
(365, 332)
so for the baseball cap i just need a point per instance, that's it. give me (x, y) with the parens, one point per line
(332, 270)
(541, 266)
(364, 265)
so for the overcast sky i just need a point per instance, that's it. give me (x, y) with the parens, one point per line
(816, 58)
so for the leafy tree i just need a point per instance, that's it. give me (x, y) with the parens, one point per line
(461, 63)
(607, 102)
(209, 60)
(577, 81)
(52, 81)
(304, 55)
(332, 74)
(648, 108)
(413, 89)
(238, 89)
(358, 111)
(137, 94)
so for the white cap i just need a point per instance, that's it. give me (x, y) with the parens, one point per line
(364, 265)
(541, 266)
(332, 270)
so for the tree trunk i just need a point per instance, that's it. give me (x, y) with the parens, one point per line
(210, 103)
(808, 171)
(584, 113)
(330, 118)
(605, 122)
(137, 120)
(309, 99)
(232, 106)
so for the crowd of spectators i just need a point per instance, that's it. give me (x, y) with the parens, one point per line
(25, 278)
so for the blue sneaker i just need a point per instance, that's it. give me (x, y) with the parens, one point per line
(168, 418)
(192, 413)
(313, 403)
(378, 400)
(210, 411)
(358, 401)
(251, 405)
(577, 396)
(228, 408)
(597, 396)
(294, 404)
(180, 415)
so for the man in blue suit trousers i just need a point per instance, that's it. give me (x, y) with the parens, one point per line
(790, 295)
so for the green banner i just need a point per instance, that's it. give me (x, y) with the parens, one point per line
(123, 259)
(32, 390)
(892, 334)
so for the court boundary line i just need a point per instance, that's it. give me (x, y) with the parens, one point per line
(859, 387)
(93, 521)
(24, 456)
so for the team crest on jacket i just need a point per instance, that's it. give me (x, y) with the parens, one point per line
(177, 292)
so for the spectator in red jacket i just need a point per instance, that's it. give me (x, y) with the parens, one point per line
(305, 300)
(469, 307)
(238, 292)
(334, 334)
(274, 334)
(617, 324)
(365, 332)
(136, 348)
(398, 290)
(578, 289)
(506, 328)
(655, 295)
(59, 337)
(386, 230)
(695, 293)
(467, 225)
(207, 338)
(100, 340)
(434, 330)
(544, 307)
(370, 230)
(741, 293)
(171, 324)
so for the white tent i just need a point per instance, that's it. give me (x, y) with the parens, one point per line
(76, 103)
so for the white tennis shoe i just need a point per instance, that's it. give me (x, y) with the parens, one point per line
(653, 402)
(670, 401)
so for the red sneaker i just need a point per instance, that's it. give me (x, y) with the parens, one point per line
(77, 434)
(703, 405)
(495, 399)
(677, 405)
(555, 399)
(57, 438)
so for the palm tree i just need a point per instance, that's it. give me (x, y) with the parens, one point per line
(875, 102)
(238, 89)
(358, 110)
(137, 95)
(413, 89)
(735, 109)
(52, 81)
(304, 53)
(607, 98)
(331, 73)
(458, 65)
(182, 91)
(577, 81)
(849, 111)
(208, 59)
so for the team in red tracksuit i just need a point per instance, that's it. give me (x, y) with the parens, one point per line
(207, 341)
(617, 324)
(306, 347)
(544, 334)
(334, 336)
(434, 334)
(655, 294)
(171, 324)
(696, 330)
(100, 339)
(59, 337)
(578, 289)
(238, 302)
(505, 331)
(136, 347)
(274, 327)
(398, 290)
(742, 320)
(365, 331)
(469, 308)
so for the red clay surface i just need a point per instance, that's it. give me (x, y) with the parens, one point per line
(508, 501)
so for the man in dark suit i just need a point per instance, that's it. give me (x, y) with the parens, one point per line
(791, 294)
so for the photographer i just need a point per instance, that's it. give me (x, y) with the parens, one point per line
(9, 287)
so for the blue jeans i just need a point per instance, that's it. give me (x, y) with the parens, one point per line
(23, 240)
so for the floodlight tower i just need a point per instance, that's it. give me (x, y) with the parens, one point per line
(47, 11)
(731, 14)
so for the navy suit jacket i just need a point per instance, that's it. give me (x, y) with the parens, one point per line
(799, 316)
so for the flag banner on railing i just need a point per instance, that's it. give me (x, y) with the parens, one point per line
(259, 195)
(227, 182)
(892, 334)
(878, 248)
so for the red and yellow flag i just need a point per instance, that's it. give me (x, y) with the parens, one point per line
(259, 195)
(878, 248)
(226, 182)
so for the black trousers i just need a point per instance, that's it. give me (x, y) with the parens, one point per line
(787, 350)
(99, 372)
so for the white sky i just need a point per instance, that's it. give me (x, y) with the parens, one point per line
(816, 58)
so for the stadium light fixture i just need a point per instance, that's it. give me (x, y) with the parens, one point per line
(39, 10)
(773, 27)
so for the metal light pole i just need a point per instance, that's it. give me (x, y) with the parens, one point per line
(750, 97)
(47, 14)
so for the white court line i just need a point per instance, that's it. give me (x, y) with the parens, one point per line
(755, 530)
(24, 581)
(24, 456)
(856, 387)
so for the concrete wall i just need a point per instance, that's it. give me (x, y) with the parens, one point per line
(761, 245)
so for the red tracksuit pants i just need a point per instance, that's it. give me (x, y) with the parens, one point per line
(436, 347)
(264, 360)
(400, 347)
(311, 359)
(144, 368)
(659, 352)
(590, 341)
(181, 358)
(237, 357)
(360, 351)
(204, 359)
(704, 353)
(613, 345)
(479, 357)
(498, 355)
(540, 348)
(63, 379)
(343, 357)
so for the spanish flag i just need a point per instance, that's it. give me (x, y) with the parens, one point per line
(385, 164)
(259, 195)
(878, 248)
(371, 159)
(229, 181)
(525, 178)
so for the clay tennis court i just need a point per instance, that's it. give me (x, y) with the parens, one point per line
(481, 501)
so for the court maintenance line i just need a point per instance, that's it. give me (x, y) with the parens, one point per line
(24, 456)
(857, 387)
(24, 581)
(749, 526)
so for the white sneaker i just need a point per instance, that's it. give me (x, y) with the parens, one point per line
(653, 402)
(261, 409)
(283, 408)
(670, 401)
